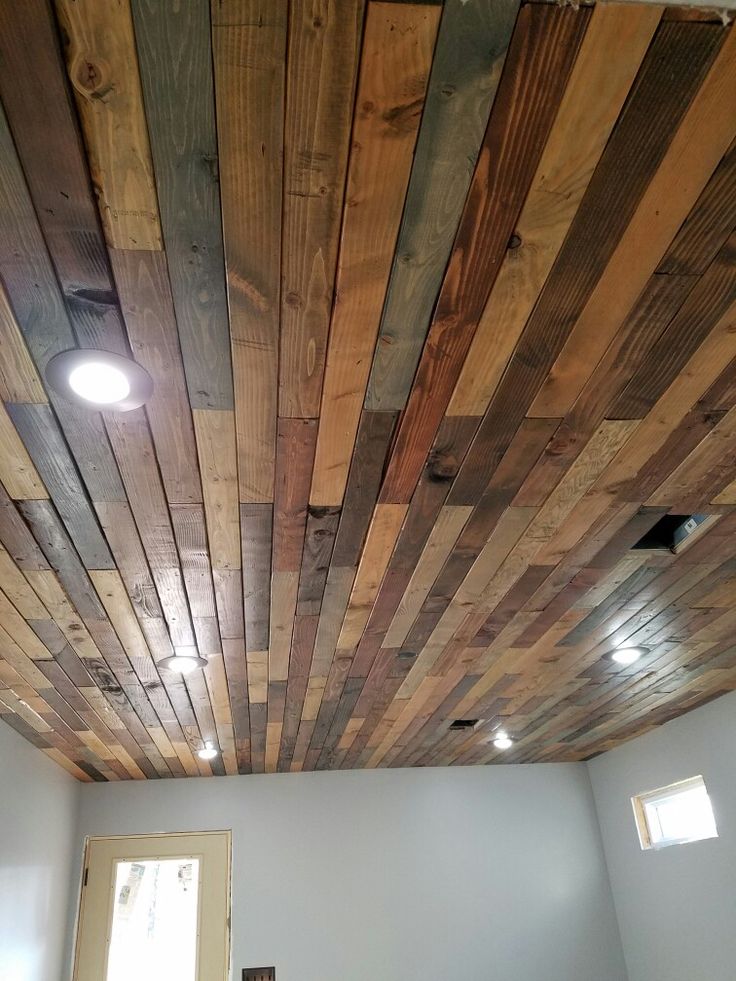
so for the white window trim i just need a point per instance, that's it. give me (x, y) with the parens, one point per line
(660, 795)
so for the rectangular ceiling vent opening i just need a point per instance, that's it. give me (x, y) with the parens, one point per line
(259, 974)
(464, 723)
(672, 531)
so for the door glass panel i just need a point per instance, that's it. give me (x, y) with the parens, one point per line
(154, 920)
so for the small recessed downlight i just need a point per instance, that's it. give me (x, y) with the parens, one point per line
(96, 381)
(183, 663)
(99, 380)
(502, 741)
(628, 655)
(208, 752)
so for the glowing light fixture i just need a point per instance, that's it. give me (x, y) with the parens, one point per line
(628, 655)
(183, 663)
(96, 381)
(502, 740)
(99, 380)
(208, 752)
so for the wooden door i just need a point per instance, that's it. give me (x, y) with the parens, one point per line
(155, 906)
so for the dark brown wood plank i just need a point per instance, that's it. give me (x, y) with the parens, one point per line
(468, 59)
(541, 54)
(653, 109)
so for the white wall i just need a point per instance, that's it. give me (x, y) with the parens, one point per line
(38, 807)
(677, 906)
(427, 874)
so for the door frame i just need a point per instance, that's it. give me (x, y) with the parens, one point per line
(164, 836)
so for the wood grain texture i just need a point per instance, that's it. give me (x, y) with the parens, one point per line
(145, 298)
(99, 46)
(610, 55)
(175, 56)
(544, 45)
(215, 434)
(249, 45)
(19, 381)
(359, 570)
(708, 126)
(397, 53)
(609, 203)
(323, 51)
(468, 60)
(46, 133)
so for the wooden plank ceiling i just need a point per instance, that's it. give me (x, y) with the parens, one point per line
(440, 306)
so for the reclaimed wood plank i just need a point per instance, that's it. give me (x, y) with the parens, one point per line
(704, 116)
(395, 62)
(322, 59)
(249, 44)
(467, 64)
(99, 47)
(608, 206)
(544, 37)
(610, 55)
(175, 55)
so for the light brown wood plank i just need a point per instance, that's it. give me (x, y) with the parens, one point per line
(103, 70)
(397, 53)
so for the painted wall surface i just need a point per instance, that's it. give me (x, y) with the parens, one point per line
(38, 839)
(475, 873)
(676, 906)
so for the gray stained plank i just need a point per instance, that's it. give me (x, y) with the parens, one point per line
(142, 278)
(17, 539)
(37, 303)
(319, 540)
(175, 58)
(45, 443)
(256, 522)
(543, 47)
(57, 547)
(364, 479)
(34, 89)
(295, 443)
(469, 55)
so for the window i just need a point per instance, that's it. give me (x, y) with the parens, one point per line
(675, 815)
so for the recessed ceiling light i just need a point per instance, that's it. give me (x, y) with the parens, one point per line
(502, 741)
(183, 663)
(99, 380)
(628, 655)
(96, 381)
(208, 752)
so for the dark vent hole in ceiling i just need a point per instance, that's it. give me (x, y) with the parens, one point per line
(670, 531)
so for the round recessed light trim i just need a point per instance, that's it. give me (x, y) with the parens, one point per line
(208, 752)
(183, 663)
(99, 380)
(502, 741)
(628, 655)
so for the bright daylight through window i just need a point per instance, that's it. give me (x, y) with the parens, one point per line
(675, 815)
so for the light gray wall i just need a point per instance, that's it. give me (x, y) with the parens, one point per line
(38, 810)
(676, 906)
(427, 874)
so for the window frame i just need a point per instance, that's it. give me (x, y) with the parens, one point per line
(639, 804)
